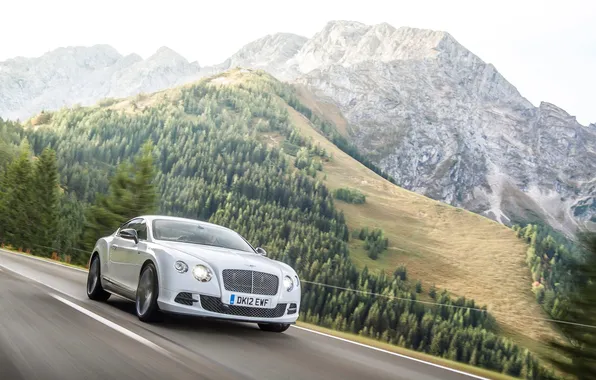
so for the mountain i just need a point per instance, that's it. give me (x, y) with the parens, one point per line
(437, 118)
(269, 53)
(444, 123)
(84, 75)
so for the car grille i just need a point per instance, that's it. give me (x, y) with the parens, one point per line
(251, 282)
(215, 305)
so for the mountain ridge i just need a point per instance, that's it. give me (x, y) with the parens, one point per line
(489, 150)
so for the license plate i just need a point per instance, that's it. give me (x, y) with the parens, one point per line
(251, 301)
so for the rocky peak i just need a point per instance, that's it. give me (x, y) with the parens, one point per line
(90, 58)
(549, 108)
(164, 56)
(349, 43)
(269, 53)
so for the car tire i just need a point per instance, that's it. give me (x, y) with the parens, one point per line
(95, 291)
(274, 327)
(147, 293)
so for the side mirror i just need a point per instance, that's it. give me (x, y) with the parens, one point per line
(261, 251)
(130, 234)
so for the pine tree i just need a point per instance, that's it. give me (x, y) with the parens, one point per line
(46, 197)
(131, 193)
(18, 209)
(418, 286)
(144, 188)
(579, 352)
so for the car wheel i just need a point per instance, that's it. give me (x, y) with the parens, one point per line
(274, 327)
(147, 292)
(94, 289)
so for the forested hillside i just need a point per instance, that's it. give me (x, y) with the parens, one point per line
(549, 257)
(208, 146)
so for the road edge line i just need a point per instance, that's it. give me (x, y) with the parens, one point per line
(44, 260)
(113, 325)
(392, 353)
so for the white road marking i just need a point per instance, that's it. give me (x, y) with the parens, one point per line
(390, 353)
(113, 325)
(294, 326)
(49, 261)
(32, 279)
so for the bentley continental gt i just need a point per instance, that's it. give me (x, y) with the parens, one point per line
(185, 266)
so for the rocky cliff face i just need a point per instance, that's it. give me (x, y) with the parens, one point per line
(435, 116)
(446, 124)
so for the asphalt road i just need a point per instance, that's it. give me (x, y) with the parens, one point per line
(50, 330)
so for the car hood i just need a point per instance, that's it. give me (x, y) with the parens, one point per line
(225, 258)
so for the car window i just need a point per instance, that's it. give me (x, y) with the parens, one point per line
(195, 232)
(141, 228)
(139, 225)
(123, 227)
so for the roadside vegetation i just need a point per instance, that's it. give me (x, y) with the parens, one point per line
(549, 257)
(577, 355)
(198, 152)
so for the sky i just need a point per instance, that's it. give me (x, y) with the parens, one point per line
(546, 48)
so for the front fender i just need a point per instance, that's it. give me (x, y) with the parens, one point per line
(102, 247)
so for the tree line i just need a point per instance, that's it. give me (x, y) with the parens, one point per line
(198, 154)
(548, 256)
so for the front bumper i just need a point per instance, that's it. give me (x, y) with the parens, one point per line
(205, 305)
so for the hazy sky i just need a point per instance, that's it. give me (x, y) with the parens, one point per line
(547, 49)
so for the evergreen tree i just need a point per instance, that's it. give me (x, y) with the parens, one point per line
(143, 184)
(46, 198)
(18, 210)
(71, 220)
(131, 193)
(579, 353)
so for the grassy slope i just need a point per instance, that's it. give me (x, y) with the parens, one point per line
(455, 249)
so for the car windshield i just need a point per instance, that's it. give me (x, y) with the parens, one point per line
(198, 233)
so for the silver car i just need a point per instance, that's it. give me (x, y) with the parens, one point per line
(186, 266)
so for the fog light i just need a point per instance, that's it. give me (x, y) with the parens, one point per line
(180, 266)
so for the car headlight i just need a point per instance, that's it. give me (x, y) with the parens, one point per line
(288, 283)
(296, 281)
(202, 273)
(180, 266)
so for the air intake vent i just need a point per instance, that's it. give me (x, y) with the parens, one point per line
(185, 299)
(292, 309)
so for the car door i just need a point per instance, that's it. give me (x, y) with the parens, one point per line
(120, 254)
(134, 255)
